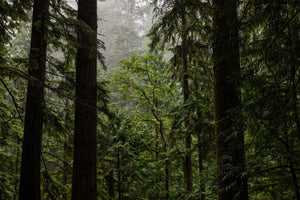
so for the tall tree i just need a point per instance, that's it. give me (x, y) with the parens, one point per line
(166, 30)
(272, 27)
(31, 151)
(186, 94)
(228, 128)
(84, 168)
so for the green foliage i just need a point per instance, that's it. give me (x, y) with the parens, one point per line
(145, 95)
(270, 83)
(143, 80)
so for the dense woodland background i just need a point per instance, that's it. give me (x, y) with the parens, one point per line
(193, 99)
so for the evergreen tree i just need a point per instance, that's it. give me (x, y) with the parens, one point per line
(31, 150)
(250, 50)
(271, 79)
(84, 184)
(232, 180)
(186, 95)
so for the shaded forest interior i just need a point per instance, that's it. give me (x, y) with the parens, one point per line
(149, 100)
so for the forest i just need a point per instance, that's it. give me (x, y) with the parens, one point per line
(149, 100)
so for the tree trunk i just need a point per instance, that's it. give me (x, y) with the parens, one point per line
(200, 148)
(201, 167)
(17, 167)
(161, 130)
(110, 182)
(290, 158)
(294, 83)
(31, 150)
(66, 151)
(186, 93)
(294, 178)
(232, 182)
(167, 179)
(84, 169)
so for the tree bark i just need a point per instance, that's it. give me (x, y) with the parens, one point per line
(161, 130)
(31, 150)
(232, 182)
(110, 182)
(294, 178)
(165, 150)
(201, 168)
(17, 167)
(84, 185)
(186, 93)
(200, 144)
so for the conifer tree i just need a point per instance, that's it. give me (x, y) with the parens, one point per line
(227, 101)
(84, 168)
(31, 150)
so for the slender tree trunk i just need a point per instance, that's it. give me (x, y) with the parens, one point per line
(186, 93)
(294, 85)
(200, 149)
(293, 36)
(228, 128)
(110, 182)
(295, 102)
(200, 157)
(17, 167)
(157, 179)
(84, 185)
(31, 150)
(294, 178)
(289, 154)
(167, 180)
(65, 170)
(66, 151)
(165, 150)
(161, 130)
(296, 119)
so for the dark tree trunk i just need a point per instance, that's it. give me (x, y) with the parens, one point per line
(17, 168)
(84, 169)
(110, 182)
(66, 150)
(230, 138)
(201, 167)
(186, 93)
(157, 153)
(293, 81)
(31, 150)
(167, 180)
(289, 154)
(200, 144)
(295, 102)
(161, 130)
(294, 178)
